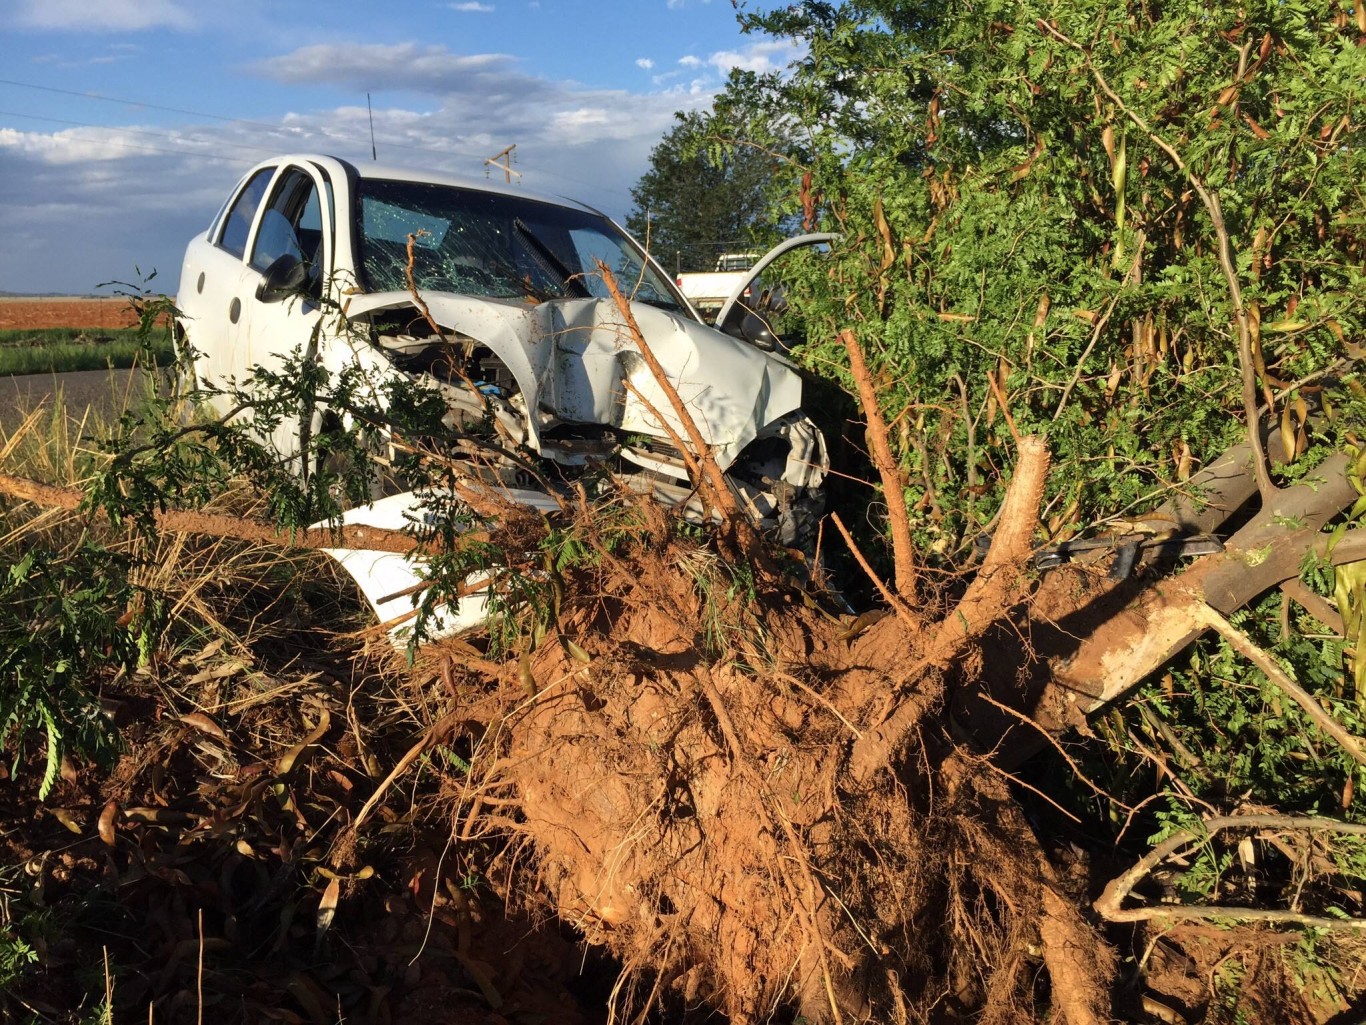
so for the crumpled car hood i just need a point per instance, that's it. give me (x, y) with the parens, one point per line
(570, 358)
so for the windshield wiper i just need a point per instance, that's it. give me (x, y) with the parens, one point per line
(550, 263)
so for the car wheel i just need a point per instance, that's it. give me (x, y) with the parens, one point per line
(337, 466)
(184, 385)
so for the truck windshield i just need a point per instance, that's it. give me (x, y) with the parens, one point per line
(494, 245)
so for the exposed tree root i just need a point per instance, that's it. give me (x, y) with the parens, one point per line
(696, 805)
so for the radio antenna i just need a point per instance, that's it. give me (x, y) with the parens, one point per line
(373, 154)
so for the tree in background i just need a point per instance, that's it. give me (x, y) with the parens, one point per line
(699, 199)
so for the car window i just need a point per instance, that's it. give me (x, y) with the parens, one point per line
(237, 225)
(291, 225)
(492, 244)
(621, 258)
(394, 222)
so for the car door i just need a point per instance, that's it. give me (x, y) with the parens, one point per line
(748, 313)
(214, 281)
(294, 224)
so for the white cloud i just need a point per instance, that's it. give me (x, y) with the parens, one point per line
(105, 16)
(135, 195)
(768, 55)
(81, 207)
(472, 6)
(68, 62)
(390, 66)
(583, 117)
(644, 63)
(78, 146)
(690, 61)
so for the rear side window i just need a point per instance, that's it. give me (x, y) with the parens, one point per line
(238, 223)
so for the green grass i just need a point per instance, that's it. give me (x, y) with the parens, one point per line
(60, 350)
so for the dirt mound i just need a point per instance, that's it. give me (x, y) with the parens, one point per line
(680, 763)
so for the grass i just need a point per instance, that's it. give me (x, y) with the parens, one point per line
(61, 350)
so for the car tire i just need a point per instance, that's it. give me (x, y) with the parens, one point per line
(184, 381)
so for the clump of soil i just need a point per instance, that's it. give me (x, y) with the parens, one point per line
(681, 771)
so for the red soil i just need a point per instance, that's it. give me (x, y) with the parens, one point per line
(65, 311)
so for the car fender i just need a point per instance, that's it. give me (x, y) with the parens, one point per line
(504, 327)
(571, 357)
(732, 390)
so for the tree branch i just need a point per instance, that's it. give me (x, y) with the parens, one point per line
(893, 488)
(1210, 200)
(997, 586)
(1119, 888)
(238, 528)
(898, 606)
(711, 479)
(1243, 644)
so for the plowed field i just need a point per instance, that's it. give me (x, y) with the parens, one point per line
(64, 311)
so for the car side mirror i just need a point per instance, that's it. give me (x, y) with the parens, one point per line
(755, 330)
(286, 276)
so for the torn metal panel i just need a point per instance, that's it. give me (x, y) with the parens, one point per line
(393, 584)
(569, 360)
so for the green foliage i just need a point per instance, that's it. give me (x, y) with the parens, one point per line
(70, 614)
(63, 350)
(16, 958)
(61, 624)
(1006, 212)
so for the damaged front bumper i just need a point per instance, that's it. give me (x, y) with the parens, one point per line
(564, 388)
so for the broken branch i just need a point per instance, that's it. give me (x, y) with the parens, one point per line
(893, 488)
(713, 480)
(1268, 549)
(1119, 888)
(997, 586)
(898, 606)
(238, 528)
(1241, 643)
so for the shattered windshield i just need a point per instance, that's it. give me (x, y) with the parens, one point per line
(494, 245)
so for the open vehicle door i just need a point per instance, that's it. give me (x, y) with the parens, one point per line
(748, 312)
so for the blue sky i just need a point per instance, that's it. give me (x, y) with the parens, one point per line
(187, 94)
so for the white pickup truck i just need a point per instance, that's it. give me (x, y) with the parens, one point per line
(709, 290)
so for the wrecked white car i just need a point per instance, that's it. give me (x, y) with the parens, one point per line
(493, 296)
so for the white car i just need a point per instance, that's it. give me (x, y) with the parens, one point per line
(310, 250)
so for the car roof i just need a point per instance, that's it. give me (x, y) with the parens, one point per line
(389, 172)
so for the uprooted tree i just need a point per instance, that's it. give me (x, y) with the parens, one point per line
(1129, 230)
(1099, 286)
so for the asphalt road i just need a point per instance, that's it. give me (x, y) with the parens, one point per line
(99, 393)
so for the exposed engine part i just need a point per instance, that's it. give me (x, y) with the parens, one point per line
(776, 477)
(579, 445)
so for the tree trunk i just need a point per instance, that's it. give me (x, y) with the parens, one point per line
(1162, 617)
